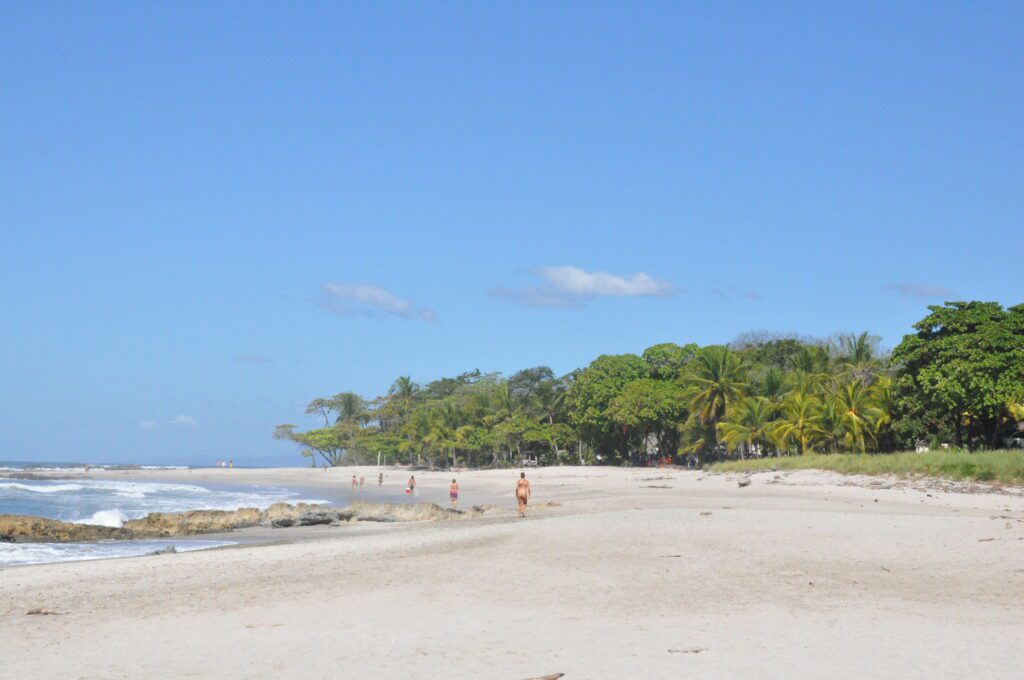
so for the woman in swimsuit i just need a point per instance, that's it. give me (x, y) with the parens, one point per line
(453, 493)
(522, 493)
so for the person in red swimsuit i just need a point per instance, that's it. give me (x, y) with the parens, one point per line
(453, 493)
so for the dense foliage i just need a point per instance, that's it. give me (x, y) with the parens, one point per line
(959, 379)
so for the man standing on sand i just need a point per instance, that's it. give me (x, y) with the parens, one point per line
(522, 493)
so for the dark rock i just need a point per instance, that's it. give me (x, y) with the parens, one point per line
(169, 550)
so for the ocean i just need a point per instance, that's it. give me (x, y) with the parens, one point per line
(110, 503)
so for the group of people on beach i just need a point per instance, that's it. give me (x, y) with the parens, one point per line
(522, 490)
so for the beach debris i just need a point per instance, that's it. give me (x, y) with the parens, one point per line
(887, 570)
(744, 482)
(983, 540)
(671, 555)
(42, 611)
(705, 513)
(687, 650)
(263, 625)
(657, 486)
(553, 676)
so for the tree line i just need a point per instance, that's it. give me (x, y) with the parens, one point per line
(959, 379)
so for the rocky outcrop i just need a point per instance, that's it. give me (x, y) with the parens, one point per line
(158, 524)
(164, 525)
(27, 528)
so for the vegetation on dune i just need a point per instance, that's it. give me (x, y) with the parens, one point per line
(958, 379)
(1006, 467)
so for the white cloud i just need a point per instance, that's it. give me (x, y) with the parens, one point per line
(181, 420)
(366, 299)
(569, 287)
(184, 421)
(921, 291)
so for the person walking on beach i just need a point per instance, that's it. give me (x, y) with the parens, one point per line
(362, 480)
(354, 481)
(411, 486)
(522, 493)
(380, 480)
(453, 493)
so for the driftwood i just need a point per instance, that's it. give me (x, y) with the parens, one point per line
(553, 676)
(40, 611)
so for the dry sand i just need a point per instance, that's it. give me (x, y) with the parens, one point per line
(800, 577)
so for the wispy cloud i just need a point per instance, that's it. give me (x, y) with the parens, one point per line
(253, 359)
(921, 291)
(366, 299)
(730, 292)
(182, 420)
(572, 287)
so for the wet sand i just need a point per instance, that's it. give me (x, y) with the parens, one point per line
(616, 573)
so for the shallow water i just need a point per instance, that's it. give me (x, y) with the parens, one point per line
(42, 553)
(111, 502)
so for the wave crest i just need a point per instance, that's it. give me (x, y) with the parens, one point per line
(51, 488)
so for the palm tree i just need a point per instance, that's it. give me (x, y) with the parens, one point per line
(716, 381)
(401, 396)
(748, 424)
(811, 359)
(797, 423)
(350, 407)
(857, 354)
(807, 384)
(772, 385)
(857, 412)
(884, 401)
(857, 349)
(827, 425)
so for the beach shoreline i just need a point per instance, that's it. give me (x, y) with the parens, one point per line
(616, 572)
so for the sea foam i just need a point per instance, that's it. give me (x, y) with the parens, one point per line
(39, 553)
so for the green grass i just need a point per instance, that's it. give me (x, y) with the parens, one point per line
(1006, 467)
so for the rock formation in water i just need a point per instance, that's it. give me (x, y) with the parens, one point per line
(22, 528)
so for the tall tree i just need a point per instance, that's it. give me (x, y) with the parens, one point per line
(796, 425)
(748, 426)
(649, 407)
(592, 392)
(962, 367)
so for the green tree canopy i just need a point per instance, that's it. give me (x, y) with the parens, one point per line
(961, 369)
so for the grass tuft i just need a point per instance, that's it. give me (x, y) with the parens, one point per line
(1006, 467)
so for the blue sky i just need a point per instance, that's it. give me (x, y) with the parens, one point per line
(211, 213)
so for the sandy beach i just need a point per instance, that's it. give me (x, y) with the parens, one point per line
(615, 573)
